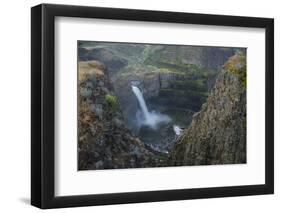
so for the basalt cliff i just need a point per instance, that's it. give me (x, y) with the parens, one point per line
(217, 134)
(104, 142)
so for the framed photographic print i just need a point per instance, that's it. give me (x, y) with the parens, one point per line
(139, 106)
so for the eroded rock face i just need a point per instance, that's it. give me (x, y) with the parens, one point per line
(111, 61)
(104, 141)
(217, 134)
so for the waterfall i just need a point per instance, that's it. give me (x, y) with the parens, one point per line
(142, 103)
(150, 118)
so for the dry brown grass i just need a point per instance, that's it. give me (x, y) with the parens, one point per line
(88, 68)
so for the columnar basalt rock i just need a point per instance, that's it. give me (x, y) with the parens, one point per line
(217, 134)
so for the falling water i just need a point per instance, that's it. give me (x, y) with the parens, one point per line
(150, 118)
(142, 103)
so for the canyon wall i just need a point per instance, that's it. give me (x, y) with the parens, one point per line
(104, 142)
(217, 134)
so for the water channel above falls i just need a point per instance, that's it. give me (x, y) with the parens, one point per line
(157, 129)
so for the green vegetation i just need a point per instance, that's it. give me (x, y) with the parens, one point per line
(189, 70)
(111, 100)
(237, 66)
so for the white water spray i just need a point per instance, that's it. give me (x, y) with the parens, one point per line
(177, 130)
(150, 118)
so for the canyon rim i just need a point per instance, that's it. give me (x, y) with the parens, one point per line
(159, 105)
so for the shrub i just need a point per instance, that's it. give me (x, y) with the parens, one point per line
(111, 100)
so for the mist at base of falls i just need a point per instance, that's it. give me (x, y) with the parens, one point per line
(154, 119)
(145, 117)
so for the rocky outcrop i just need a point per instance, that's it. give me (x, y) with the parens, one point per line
(217, 134)
(103, 55)
(104, 142)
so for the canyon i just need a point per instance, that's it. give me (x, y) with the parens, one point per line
(171, 103)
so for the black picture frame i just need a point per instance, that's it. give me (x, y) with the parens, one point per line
(43, 102)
